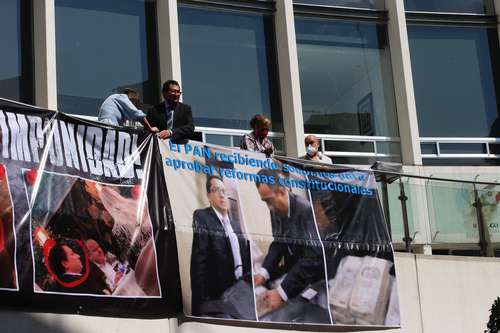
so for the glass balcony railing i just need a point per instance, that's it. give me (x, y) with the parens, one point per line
(444, 213)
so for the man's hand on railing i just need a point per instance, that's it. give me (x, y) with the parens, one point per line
(165, 134)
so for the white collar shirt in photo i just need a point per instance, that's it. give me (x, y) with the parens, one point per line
(233, 240)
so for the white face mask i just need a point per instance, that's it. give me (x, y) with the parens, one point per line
(311, 150)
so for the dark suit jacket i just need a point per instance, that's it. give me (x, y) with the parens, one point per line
(297, 243)
(182, 129)
(95, 283)
(212, 263)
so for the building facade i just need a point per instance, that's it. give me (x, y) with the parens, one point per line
(409, 81)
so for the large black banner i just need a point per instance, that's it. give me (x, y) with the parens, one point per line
(101, 220)
(85, 224)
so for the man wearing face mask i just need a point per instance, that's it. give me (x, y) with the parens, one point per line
(312, 148)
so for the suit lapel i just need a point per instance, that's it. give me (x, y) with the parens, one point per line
(162, 111)
(177, 114)
(217, 224)
(242, 241)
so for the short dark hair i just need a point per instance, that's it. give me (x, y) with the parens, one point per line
(311, 139)
(133, 95)
(275, 173)
(129, 91)
(169, 83)
(56, 256)
(259, 120)
(209, 179)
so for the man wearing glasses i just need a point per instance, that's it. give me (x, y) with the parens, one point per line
(173, 118)
(220, 254)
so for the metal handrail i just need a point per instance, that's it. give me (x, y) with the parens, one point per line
(356, 138)
(458, 139)
(230, 131)
(365, 138)
(437, 141)
(234, 132)
(391, 173)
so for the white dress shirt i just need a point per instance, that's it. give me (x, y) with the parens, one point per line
(233, 240)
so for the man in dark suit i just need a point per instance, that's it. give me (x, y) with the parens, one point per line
(220, 253)
(296, 249)
(173, 118)
(68, 268)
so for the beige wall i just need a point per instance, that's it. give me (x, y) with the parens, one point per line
(456, 293)
(437, 294)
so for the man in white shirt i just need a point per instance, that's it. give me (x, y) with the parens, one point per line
(97, 256)
(117, 109)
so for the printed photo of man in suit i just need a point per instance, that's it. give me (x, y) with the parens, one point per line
(220, 255)
(67, 265)
(295, 250)
(173, 119)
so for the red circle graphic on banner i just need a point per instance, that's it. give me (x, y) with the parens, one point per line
(47, 247)
(30, 176)
(2, 172)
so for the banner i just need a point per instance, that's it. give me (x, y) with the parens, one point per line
(101, 220)
(80, 229)
(278, 240)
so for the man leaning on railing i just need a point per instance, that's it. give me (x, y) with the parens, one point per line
(173, 118)
(120, 108)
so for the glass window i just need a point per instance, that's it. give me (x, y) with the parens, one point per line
(370, 4)
(451, 6)
(16, 66)
(102, 47)
(228, 67)
(345, 78)
(453, 75)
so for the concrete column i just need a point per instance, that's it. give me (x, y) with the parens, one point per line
(403, 83)
(288, 68)
(44, 45)
(168, 40)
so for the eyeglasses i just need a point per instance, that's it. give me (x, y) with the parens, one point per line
(219, 191)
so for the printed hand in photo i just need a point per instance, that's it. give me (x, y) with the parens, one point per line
(118, 277)
(258, 280)
(106, 262)
(123, 210)
(273, 299)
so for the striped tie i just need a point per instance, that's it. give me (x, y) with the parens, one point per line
(170, 118)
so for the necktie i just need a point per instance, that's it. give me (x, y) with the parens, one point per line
(235, 248)
(170, 118)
